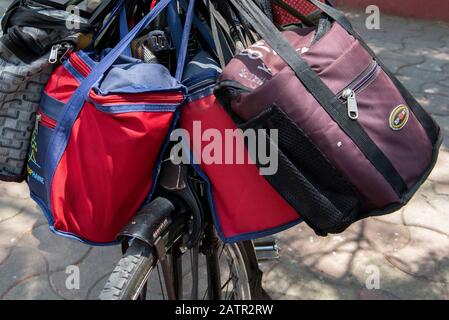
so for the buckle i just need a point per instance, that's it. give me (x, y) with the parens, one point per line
(160, 41)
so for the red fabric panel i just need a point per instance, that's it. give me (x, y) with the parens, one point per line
(109, 161)
(283, 17)
(245, 201)
(61, 85)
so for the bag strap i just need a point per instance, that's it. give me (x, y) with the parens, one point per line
(102, 11)
(124, 29)
(182, 56)
(321, 92)
(201, 27)
(120, 11)
(426, 121)
(175, 26)
(216, 35)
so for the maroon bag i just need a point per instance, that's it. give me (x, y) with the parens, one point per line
(352, 142)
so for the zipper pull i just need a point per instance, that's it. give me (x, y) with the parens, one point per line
(54, 54)
(36, 124)
(68, 49)
(351, 100)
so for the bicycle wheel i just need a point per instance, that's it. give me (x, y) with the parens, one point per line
(138, 275)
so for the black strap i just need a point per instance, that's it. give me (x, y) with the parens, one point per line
(321, 93)
(248, 37)
(221, 27)
(215, 35)
(102, 11)
(426, 121)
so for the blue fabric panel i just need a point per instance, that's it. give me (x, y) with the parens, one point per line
(50, 106)
(145, 77)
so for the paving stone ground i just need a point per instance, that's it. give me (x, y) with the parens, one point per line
(409, 250)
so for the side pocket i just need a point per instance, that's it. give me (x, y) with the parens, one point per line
(36, 160)
(305, 178)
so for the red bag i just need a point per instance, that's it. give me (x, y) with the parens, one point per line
(282, 17)
(244, 205)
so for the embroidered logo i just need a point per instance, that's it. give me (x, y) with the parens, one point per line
(399, 117)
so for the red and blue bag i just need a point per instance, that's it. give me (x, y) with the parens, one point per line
(102, 127)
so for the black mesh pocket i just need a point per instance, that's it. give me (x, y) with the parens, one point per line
(305, 178)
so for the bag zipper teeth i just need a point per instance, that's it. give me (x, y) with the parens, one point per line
(151, 98)
(45, 120)
(202, 84)
(367, 79)
(55, 52)
(348, 94)
(79, 64)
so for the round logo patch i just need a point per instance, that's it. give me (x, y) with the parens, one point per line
(399, 117)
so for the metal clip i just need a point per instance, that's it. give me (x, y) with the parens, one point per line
(351, 100)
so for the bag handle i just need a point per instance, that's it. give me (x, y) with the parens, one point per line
(319, 90)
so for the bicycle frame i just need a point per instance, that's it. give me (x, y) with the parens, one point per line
(171, 219)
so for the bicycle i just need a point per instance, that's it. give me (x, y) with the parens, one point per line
(173, 231)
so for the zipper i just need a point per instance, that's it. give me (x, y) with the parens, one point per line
(60, 51)
(36, 124)
(202, 84)
(201, 81)
(349, 94)
(233, 85)
(45, 120)
(79, 64)
(140, 98)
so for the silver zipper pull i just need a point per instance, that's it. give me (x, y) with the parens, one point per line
(351, 100)
(36, 125)
(68, 49)
(54, 54)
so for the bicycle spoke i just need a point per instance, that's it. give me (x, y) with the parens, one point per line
(221, 251)
(194, 262)
(143, 293)
(205, 294)
(160, 281)
(226, 285)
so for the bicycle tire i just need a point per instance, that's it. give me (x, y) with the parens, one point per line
(129, 273)
(132, 271)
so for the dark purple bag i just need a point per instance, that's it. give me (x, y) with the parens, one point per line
(353, 142)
